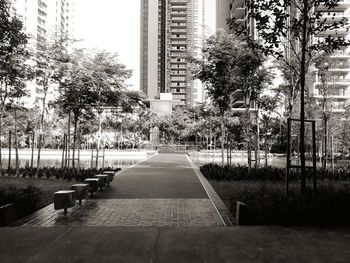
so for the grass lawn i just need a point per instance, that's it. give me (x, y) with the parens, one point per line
(47, 186)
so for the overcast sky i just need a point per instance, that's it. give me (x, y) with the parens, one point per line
(114, 25)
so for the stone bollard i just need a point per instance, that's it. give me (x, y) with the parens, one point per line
(64, 200)
(80, 191)
(111, 175)
(103, 180)
(93, 184)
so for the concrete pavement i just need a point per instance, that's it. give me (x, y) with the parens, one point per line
(163, 244)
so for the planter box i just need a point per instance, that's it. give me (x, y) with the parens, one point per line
(7, 214)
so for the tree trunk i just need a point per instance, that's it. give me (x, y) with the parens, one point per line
(223, 139)
(249, 138)
(257, 141)
(32, 155)
(41, 127)
(265, 149)
(324, 166)
(16, 145)
(1, 120)
(302, 95)
(74, 140)
(9, 161)
(68, 141)
(98, 138)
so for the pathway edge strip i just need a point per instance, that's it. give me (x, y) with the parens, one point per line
(201, 178)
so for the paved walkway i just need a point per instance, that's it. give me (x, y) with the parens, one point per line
(165, 190)
(168, 244)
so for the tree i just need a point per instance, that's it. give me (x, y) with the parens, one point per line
(90, 81)
(228, 64)
(292, 26)
(323, 64)
(13, 57)
(270, 119)
(51, 53)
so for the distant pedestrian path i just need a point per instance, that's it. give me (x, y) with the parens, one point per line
(164, 190)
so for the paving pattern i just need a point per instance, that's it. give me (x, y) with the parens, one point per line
(166, 190)
(129, 212)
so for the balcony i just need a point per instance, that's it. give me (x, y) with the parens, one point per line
(180, 36)
(179, 18)
(342, 5)
(337, 82)
(336, 32)
(341, 54)
(178, 25)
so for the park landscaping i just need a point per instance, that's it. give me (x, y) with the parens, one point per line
(33, 189)
(263, 192)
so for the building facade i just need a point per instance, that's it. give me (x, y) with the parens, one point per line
(223, 9)
(171, 30)
(43, 20)
(338, 80)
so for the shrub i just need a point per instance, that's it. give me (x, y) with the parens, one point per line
(214, 171)
(267, 204)
(26, 199)
(58, 173)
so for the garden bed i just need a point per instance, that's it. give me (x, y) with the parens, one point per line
(30, 193)
(266, 202)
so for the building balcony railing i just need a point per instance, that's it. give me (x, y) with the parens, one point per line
(183, 36)
(178, 25)
(179, 18)
(342, 82)
(342, 5)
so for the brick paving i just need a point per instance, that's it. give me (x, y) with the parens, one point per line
(218, 203)
(167, 190)
(129, 212)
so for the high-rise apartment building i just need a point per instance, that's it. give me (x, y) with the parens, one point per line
(171, 30)
(338, 92)
(42, 20)
(339, 73)
(223, 8)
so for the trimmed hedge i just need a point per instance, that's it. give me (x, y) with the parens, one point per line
(26, 199)
(267, 204)
(58, 173)
(214, 171)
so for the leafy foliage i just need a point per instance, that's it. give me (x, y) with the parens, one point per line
(266, 204)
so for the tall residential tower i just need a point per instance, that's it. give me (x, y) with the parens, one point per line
(171, 30)
(43, 20)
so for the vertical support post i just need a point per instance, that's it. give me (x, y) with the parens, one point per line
(63, 150)
(68, 141)
(92, 157)
(32, 157)
(103, 158)
(10, 137)
(227, 152)
(332, 152)
(79, 145)
(288, 156)
(314, 156)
